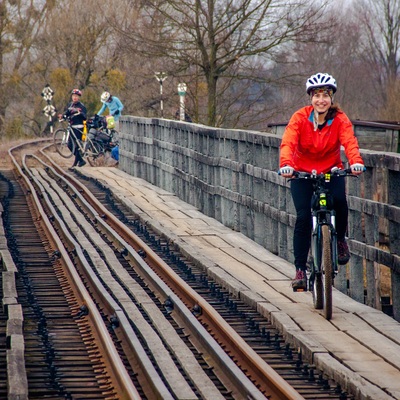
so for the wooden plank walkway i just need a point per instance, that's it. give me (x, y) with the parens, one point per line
(360, 346)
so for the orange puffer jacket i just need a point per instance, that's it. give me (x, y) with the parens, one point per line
(305, 149)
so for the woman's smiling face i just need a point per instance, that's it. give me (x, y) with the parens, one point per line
(321, 100)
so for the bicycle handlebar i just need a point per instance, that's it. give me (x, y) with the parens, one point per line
(314, 175)
(68, 118)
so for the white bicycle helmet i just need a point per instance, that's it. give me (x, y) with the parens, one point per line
(320, 80)
(105, 97)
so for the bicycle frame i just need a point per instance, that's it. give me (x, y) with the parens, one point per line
(323, 251)
(66, 142)
(322, 213)
(83, 145)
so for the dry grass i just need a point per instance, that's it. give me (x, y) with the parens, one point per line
(5, 145)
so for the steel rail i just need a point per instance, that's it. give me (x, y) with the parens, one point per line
(244, 386)
(115, 366)
(183, 297)
(153, 381)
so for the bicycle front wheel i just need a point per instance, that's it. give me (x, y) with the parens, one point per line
(328, 271)
(63, 143)
(93, 150)
(317, 289)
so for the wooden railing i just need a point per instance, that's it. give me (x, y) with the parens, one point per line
(231, 175)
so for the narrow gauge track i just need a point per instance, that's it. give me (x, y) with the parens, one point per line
(61, 356)
(222, 375)
(63, 353)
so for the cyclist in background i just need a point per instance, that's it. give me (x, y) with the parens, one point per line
(312, 141)
(114, 105)
(75, 112)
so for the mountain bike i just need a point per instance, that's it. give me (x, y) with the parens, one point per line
(323, 251)
(65, 142)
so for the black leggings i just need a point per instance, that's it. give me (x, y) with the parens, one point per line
(302, 193)
(77, 152)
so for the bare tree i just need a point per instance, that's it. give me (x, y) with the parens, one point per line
(244, 61)
(80, 47)
(20, 26)
(214, 36)
(341, 56)
(380, 20)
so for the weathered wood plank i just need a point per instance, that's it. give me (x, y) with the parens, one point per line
(231, 175)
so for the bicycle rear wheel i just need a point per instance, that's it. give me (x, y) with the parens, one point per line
(93, 150)
(63, 143)
(328, 271)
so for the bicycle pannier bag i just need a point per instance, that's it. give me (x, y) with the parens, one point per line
(103, 136)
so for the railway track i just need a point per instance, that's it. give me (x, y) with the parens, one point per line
(112, 310)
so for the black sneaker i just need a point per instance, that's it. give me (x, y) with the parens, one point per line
(343, 252)
(81, 163)
(300, 281)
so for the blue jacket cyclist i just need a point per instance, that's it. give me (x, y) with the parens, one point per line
(113, 103)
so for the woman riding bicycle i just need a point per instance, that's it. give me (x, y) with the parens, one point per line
(312, 141)
(76, 114)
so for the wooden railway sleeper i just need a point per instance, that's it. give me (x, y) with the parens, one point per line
(122, 246)
(132, 256)
(126, 384)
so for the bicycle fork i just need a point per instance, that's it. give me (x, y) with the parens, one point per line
(65, 138)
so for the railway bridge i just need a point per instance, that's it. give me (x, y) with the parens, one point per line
(231, 176)
(215, 195)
